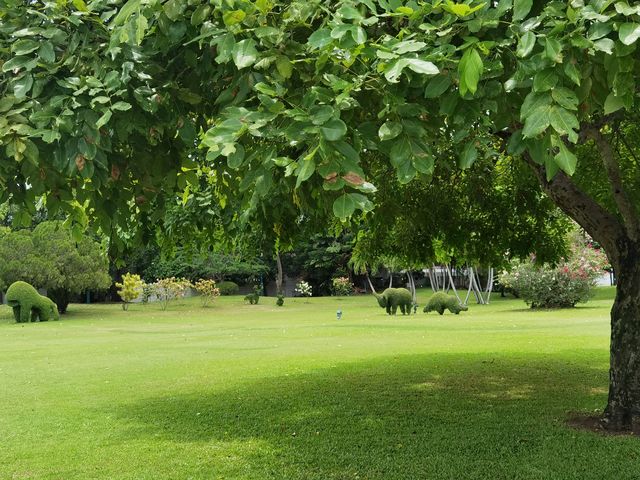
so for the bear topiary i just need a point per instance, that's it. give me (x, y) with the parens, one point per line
(29, 305)
(392, 298)
(440, 302)
(252, 298)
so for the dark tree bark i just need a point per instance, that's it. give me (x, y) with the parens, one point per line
(279, 274)
(618, 235)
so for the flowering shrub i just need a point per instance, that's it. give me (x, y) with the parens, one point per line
(129, 289)
(207, 290)
(557, 287)
(167, 289)
(341, 287)
(303, 289)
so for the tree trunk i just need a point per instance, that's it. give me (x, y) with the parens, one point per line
(279, 274)
(623, 406)
(61, 299)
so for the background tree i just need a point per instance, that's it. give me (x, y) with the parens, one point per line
(99, 94)
(48, 257)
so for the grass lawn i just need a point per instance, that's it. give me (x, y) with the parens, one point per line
(236, 391)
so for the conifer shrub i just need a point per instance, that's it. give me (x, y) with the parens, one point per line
(129, 289)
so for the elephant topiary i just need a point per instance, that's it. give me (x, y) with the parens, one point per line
(440, 302)
(392, 298)
(29, 305)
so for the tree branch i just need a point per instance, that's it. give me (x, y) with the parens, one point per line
(604, 227)
(611, 166)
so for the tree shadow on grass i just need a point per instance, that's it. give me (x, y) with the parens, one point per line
(408, 417)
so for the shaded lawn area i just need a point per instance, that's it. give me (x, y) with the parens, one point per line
(259, 392)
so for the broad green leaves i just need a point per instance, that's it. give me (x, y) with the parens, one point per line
(244, 53)
(629, 33)
(389, 130)
(521, 9)
(334, 130)
(526, 44)
(424, 67)
(470, 69)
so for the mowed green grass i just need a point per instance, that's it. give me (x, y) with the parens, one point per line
(235, 391)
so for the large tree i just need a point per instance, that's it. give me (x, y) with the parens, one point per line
(102, 106)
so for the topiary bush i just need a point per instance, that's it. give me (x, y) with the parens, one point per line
(392, 298)
(440, 301)
(280, 300)
(228, 288)
(28, 305)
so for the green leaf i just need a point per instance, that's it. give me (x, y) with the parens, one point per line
(461, 9)
(400, 152)
(320, 114)
(537, 121)
(235, 158)
(46, 52)
(200, 14)
(24, 46)
(604, 45)
(244, 53)
(22, 86)
(334, 130)
(125, 12)
(320, 38)
(422, 66)
(564, 122)
(553, 50)
(437, 86)
(572, 72)
(565, 98)
(526, 44)
(122, 106)
(104, 119)
(565, 159)
(521, 9)
(390, 130)
(612, 104)
(16, 63)
(344, 206)
(629, 33)
(284, 66)
(470, 69)
(545, 80)
(174, 9)
(233, 17)
(306, 168)
(468, 155)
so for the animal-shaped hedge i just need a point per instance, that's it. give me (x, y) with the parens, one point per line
(28, 305)
(440, 302)
(392, 298)
(252, 298)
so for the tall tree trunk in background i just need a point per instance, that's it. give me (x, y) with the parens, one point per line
(279, 274)
(373, 289)
(620, 237)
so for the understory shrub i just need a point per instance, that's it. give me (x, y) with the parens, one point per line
(168, 289)
(207, 290)
(562, 286)
(130, 288)
(228, 288)
(341, 286)
(303, 289)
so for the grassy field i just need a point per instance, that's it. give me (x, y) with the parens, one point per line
(258, 392)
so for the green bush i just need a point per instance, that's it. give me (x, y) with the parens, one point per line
(544, 286)
(28, 305)
(280, 300)
(228, 288)
(341, 287)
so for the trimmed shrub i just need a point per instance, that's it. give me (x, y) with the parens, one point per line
(392, 298)
(440, 302)
(341, 287)
(28, 305)
(207, 290)
(228, 288)
(130, 289)
(280, 300)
